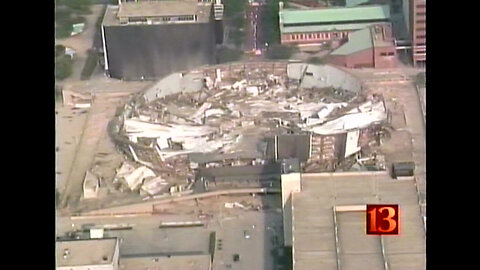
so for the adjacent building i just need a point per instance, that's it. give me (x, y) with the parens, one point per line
(370, 47)
(414, 13)
(314, 26)
(88, 254)
(418, 32)
(145, 40)
(327, 215)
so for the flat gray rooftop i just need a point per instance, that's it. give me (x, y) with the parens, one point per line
(157, 9)
(314, 242)
(85, 252)
(187, 262)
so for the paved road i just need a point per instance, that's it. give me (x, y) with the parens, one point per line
(100, 113)
(254, 38)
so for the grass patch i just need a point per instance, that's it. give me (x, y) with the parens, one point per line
(63, 67)
(277, 51)
(225, 55)
(68, 13)
(270, 23)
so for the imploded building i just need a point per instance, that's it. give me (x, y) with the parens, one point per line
(145, 40)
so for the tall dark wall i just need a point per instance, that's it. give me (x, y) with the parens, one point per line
(153, 51)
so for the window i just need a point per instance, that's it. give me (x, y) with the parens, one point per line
(383, 54)
(421, 29)
(421, 13)
(292, 37)
(390, 53)
(421, 21)
(137, 19)
(421, 36)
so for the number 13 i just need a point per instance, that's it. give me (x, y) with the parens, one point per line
(391, 218)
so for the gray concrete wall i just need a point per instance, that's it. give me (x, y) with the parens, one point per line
(154, 51)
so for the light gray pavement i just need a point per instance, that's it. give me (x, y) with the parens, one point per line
(407, 95)
(101, 112)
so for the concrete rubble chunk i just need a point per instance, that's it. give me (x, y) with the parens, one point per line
(135, 179)
(91, 185)
(153, 185)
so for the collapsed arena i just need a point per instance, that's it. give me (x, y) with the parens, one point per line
(245, 124)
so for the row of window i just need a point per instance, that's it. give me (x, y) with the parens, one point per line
(313, 36)
(387, 53)
(164, 18)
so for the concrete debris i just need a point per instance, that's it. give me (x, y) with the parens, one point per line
(235, 205)
(91, 185)
(153, 185)
(77, 100)
(230, 114)
(135, 179)
(353, 120)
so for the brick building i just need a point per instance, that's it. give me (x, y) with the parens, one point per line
(314, 26)
(418, 32)
(373, 46)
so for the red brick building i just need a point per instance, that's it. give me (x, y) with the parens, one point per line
(370, 47)
(418, 32)
(314, 26)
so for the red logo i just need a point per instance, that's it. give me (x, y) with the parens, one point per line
(382, 219)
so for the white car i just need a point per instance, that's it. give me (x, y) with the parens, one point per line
(246, 235)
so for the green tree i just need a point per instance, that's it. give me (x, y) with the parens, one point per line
(270, 23)
(226, 55)
(63, 67)
(59, 50)
(277, 51)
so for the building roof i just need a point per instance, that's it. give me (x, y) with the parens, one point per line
(323, 28)
(337, 14)
(357, 41)
(314, 227)
(86, 252)
(157, 8)
(185, 262)
(247, 171)
(373, 36)
(354, 3)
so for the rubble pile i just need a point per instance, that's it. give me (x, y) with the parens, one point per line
(229, 112)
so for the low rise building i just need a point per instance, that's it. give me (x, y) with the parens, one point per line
(370, 47)
(314, 26)
(88, 254)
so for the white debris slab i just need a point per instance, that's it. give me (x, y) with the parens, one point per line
(352, 121)
(148, 130)
(135, 179)
(351, 146)
(212, 112)
(91, 185)
(153, 185)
